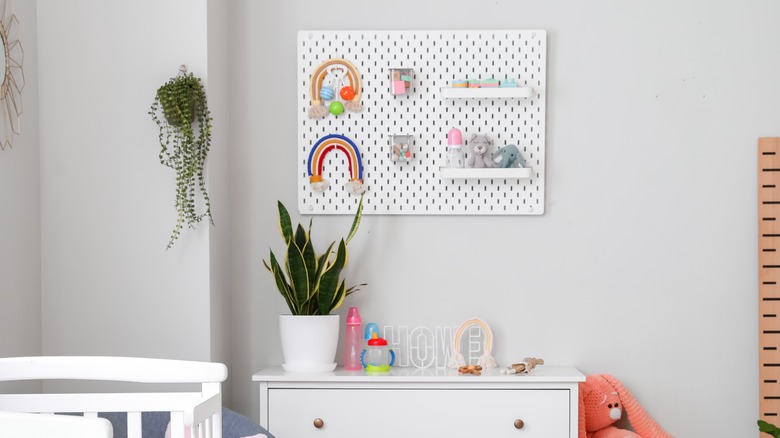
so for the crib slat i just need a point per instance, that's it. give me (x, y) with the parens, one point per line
(208, 426)
(177, 425)
(133, 425)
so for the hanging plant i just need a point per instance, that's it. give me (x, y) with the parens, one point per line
(181, 112)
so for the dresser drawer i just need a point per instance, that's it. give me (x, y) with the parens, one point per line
(387, 412)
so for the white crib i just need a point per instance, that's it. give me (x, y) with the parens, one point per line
(200, 410)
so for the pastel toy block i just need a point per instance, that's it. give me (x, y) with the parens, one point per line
(398, 87)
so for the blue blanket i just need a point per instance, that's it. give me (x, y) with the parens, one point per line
(234, 425)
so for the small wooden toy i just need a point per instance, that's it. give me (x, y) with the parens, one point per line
(335, 74)
(486, 361)
(526, 366)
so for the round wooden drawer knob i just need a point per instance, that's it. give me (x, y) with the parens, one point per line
(318, 423)
(519, 424)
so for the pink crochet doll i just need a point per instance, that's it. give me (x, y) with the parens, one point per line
(602, 401)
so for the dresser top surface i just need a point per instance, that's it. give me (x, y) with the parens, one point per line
(541, 374)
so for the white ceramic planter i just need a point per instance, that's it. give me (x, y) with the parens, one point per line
(309, 343)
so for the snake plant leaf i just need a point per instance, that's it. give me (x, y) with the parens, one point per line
(355, 288)
(356, 221)
(281, 280)
(299, 278)
(310, 259)
(769, 428)
(329, 281)
(285, 224)
(322, 263)
(338, 299)
(301, 238)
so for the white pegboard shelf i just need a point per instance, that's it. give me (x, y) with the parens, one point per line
(435, 59)
(487, 93)
(488, 173)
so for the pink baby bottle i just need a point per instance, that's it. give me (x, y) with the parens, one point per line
(353, 341)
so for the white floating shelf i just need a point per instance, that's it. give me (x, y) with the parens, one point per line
(487, 93)
(487, 173)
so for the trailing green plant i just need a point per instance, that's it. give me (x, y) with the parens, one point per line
(181, 111)
(311, 284)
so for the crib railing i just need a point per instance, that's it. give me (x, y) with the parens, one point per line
(200, 410)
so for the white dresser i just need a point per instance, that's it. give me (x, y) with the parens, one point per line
(412, 402)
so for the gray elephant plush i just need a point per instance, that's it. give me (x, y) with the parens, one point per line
(480, 152)
(510, 157)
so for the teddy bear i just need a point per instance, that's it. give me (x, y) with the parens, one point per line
(602, 401)
(480, 156)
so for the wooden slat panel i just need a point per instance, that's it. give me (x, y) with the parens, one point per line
(769, 278)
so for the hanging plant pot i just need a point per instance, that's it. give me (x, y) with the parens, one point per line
(180, 110)
(184, 105)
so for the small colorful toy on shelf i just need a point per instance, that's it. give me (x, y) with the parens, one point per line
(484, 83)
(400, 80)
(329, 78)
(400, 148)
(317, 158)
(460, 83)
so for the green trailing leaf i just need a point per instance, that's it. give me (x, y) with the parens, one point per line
(313, 283)
(181, 112)
(769, 428)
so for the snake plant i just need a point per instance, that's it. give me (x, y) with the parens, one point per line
(311, 284)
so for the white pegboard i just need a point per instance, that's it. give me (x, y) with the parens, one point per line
(436, 58)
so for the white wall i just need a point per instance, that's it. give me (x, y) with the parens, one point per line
(107, 204)
(644, 265)
(20, 243)
(218, 50)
